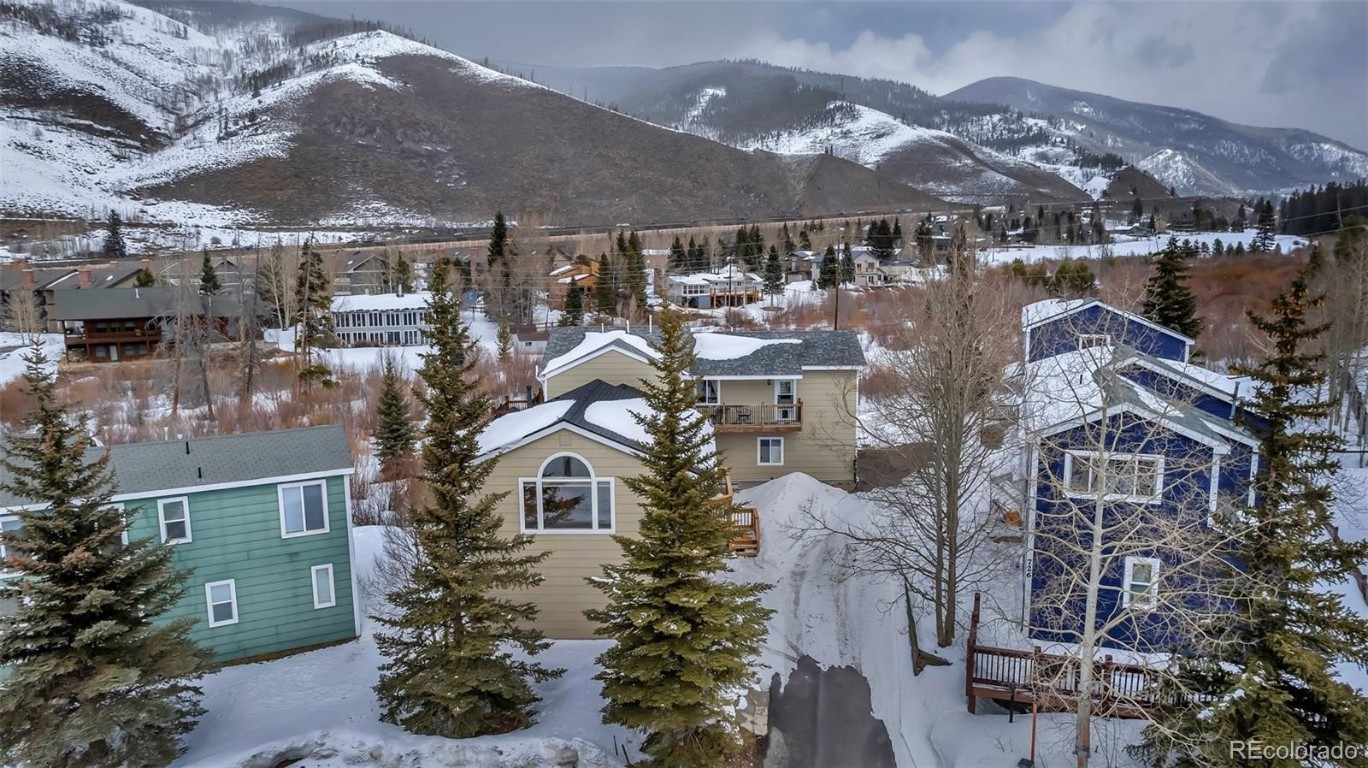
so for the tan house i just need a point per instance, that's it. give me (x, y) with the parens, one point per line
(779, 401)
(562, 464)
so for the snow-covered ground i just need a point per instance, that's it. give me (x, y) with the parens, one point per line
(14, 348)
(1128, 246)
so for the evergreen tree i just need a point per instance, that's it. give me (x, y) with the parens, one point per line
(314, 302)
(847, 265)
(94, 678)
(1272, 676)
(698, 257)
(684, 638)
(636, 272)
(573, 315)
(1074, 278)
(1168, 299)
(1240, 220)
(789, 245)
(209, 284)
(774, 272)
(755, 249)
(144, 279)
(447, 670)
(114, 247)
(499, 260)
(394, 433)
(679, 258)
(804, 241)
(1263, 238)
(403, 275)
(829, 274)
(897, 233)
(605, 298)
(505, 339)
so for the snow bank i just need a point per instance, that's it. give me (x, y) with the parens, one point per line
(380, 302)
(14, 347)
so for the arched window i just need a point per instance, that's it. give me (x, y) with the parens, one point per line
(566, 497)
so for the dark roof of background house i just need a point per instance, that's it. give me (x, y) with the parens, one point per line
(146, 468)
(118, 303)
(819, 349)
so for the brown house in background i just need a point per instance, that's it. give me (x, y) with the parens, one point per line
(130, 323)
(586, 276)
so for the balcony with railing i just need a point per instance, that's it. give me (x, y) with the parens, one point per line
(760, 417)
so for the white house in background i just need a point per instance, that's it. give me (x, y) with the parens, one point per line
(727, 287)
(383, 320)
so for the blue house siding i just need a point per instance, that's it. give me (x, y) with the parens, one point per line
(236, 535)
(1060, 334)
(1063, 530)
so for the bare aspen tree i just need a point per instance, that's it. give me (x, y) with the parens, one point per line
(21, 311)
(1122, 556)
(249, 331)
(944, 423)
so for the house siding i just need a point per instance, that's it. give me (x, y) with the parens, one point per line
(823, 448)
(565, 594)
(1061, 334)
(1185, 494)
(236, 535)
(612, 367)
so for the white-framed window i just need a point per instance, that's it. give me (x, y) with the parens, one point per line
(1140, 582)
(1090, 340)
(785, 398)
(1117, 476)
(709, 392)
(770, 452)
(566, 497)
(303, 509)
(221, 597)
(324, 594)
(10, 525)
(173, 515)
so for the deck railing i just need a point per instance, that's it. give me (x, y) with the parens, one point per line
(774, 416)
(745, 521)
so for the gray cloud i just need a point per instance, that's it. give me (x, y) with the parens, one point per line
(1285, 64)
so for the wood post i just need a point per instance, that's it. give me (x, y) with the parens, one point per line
(969, 655)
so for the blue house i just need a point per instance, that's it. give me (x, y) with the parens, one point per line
(1130, 449)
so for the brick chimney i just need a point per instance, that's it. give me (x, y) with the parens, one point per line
(28, 278)
(83, 277)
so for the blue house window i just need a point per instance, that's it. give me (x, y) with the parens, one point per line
(1116, 476)
(303, 509)
(1141, 582)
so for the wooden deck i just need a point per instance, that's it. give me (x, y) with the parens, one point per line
(1051, 682)
(745, 537)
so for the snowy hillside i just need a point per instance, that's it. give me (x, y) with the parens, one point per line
(137, 99)
(1185, 175)
(856, 133)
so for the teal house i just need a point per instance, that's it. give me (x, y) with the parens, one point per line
(262, 522)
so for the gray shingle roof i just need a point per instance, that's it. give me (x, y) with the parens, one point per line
(818, 349)
(121, 303)
(145, 468)
(597, 391)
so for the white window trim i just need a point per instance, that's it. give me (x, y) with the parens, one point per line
(1105, 338)
(783, 452)
(161, 519)
(332, 585)
(592, 479)
(1126, 593)
(717, 387)
(1139, 498)
(209, 601)
(280, 502)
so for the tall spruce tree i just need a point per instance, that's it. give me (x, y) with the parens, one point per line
(605, 296)
(499, 270)
(1263, 236)
(448, 670)
(635, 282)
(395, 434)
(114, 247)
(505, 340)
(1168, 299)
(684, 638)
(573, 316)
(403, 275)
(95, 677)
(209, 284)
(144, 279)
(847, 265)
(314, 302)
(679, 257)
(1272, 676)
(829, 273)
(774, 272)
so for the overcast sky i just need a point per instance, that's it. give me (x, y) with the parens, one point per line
(1283, 64)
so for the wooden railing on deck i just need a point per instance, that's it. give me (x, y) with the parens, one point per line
(1052, 682)
(745, 537)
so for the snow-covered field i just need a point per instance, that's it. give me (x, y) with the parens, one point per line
(1128, 246)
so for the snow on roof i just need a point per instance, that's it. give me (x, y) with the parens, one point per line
(616, 416)
(593, 342)
(561, 270)
(1221, 382)
(1039, 312)
(380, 301)
(724, 346)
(510, 428)
(690, 279)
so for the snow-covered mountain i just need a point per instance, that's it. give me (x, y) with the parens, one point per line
(1195, 153)
(225, 112)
